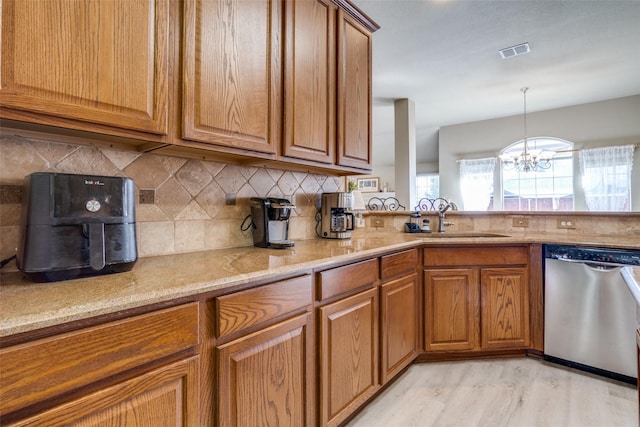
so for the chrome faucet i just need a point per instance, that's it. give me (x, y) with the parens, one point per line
(441, 222)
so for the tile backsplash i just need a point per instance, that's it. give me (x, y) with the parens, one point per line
(182, 205)
(192, 205)
(584, 223)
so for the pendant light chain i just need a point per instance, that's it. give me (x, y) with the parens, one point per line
(526, 161)
(524, 91)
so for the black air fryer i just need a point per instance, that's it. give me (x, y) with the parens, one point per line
(76, 225)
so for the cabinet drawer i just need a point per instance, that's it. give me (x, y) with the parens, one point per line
(242, 310)
(399, 264)
(344, 279)
(478, 255)
(35, 371)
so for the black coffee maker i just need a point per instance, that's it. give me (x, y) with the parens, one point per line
(270, 218)
(76, 225)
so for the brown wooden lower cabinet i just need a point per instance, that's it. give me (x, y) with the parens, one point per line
(476, 299)
(504, 308)
(399, 325)
(265, 366)
(348, 347)
(72, 378)
(270, 354)
(167, 396)
(263, 377)
(452, 318)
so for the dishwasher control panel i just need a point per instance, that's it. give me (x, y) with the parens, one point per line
(584, 253)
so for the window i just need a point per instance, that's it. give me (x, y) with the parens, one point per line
(545, 190)
(428, 186)
(606, 178)
(476, 183)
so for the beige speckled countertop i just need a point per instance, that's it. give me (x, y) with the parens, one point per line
(26, 306)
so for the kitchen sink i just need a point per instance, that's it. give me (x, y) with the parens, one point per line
(450, 235)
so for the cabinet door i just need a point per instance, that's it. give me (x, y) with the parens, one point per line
(167, 397)
(45, 369)
(399, 317)
(505, 308)
(263, 378)
(348, 355)
(231, 73)
(451, 311)
(354, 94)
(103, 62)
(309, 81)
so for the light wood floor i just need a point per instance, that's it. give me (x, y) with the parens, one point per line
(518, 392)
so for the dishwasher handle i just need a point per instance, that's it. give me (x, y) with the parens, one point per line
(596, 265)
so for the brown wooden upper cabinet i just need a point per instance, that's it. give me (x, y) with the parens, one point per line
(232, 73)
(354, 93)
(327, 81)
(310, 81)
(86, 65)
(275, 80)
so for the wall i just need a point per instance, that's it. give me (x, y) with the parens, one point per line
(612, 122)
(189, 212)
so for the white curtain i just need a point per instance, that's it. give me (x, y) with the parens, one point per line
(606, 177)
(476, 183)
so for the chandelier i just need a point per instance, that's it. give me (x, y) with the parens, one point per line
(528, 160)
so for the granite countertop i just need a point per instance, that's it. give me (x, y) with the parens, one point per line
(26, 306)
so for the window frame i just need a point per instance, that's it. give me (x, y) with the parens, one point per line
(427, 174)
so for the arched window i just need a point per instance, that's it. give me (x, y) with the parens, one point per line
(544, 190)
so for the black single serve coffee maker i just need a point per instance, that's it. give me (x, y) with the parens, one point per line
(270, 218)
(76, 225)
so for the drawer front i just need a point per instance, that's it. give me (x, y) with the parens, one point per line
(35, 371)
(245, 309)
(399, 264)
(478, 255)
(344, 279)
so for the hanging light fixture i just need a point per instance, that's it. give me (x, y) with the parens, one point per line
(528, 160)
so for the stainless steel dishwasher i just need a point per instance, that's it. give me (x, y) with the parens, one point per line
(589, 311)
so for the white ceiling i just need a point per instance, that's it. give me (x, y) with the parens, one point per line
(443, 55)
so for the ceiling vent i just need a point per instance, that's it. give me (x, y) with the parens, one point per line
(519, 49)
